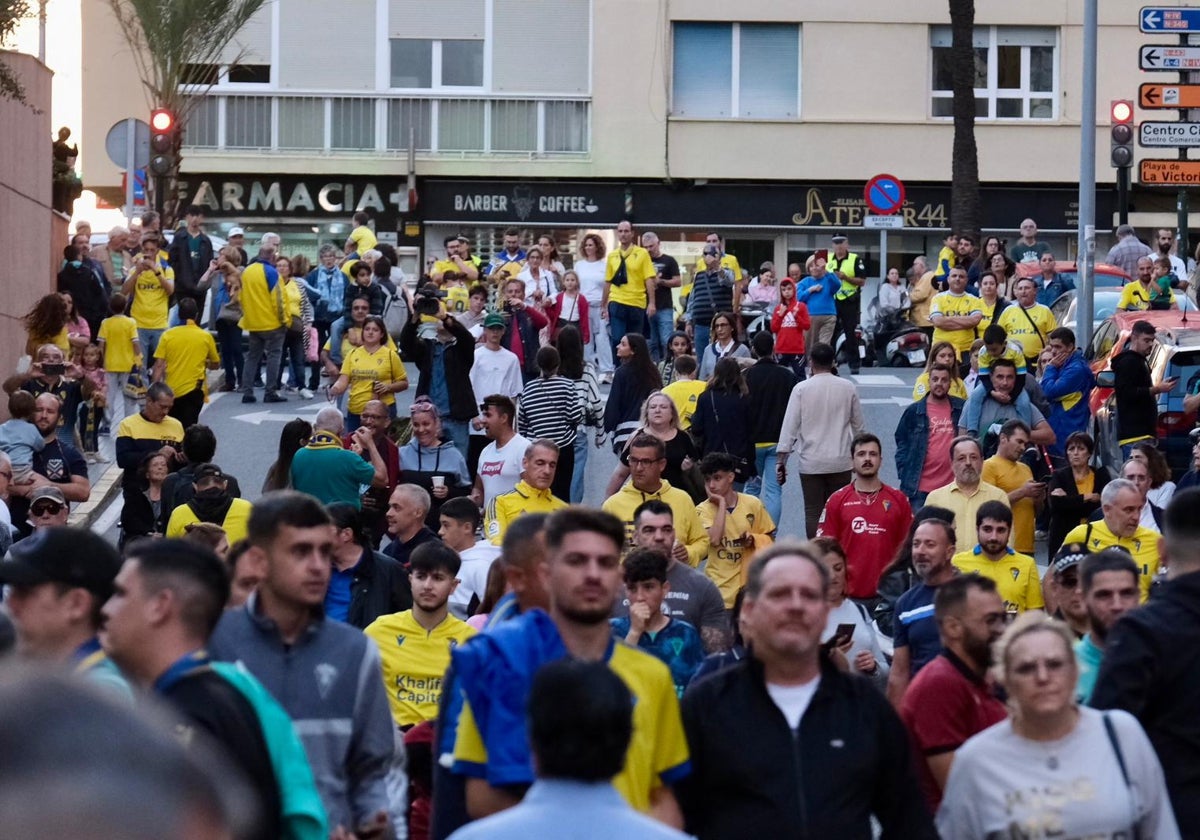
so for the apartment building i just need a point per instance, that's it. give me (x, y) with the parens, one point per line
(762, 119)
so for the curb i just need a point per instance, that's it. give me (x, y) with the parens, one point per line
(104, 490)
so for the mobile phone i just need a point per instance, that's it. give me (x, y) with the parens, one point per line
(840, 636)
(54, 370)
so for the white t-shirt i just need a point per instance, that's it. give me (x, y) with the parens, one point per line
(546, 282)
(472, 576)
(793, 700)
(591, 280)
(1001, 784)
(500, 469)
(495, 372)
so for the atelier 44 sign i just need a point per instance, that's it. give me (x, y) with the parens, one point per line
(850, 212)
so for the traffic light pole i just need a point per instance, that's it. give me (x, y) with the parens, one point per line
(160, 186)
(1181, 203)
(1122, 195)
(1086, 254)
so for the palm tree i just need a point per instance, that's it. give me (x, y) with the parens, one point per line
(11, 13)
(966, 207)
(168, 39)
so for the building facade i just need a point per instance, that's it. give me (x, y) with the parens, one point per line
(762, 119)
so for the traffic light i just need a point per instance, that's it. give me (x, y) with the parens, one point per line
(164, 130)
(1121, 150)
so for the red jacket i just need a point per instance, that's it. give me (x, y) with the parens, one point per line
(554, 312)
(789, 323)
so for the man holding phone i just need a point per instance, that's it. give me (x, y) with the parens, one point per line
(1137, 395)
(1006, 471)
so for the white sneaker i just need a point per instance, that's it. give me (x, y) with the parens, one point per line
(306, 394)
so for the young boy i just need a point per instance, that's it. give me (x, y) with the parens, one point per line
(947, 259)
(997, 346)
(686, 389)
(119, 343)
(672, 640)
(731, 519)
(19, 438)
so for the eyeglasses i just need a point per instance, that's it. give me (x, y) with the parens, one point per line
(45, 509)
(643, 462)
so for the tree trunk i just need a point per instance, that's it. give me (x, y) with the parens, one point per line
(966, 207)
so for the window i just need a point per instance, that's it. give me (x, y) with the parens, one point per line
(250, 74)
(1016, 73)
(736, 71)
(422, 63)
(219, 74)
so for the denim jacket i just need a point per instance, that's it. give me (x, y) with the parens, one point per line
(912, 440)
(327, 291)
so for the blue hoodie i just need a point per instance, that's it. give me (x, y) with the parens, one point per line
(1068, 388)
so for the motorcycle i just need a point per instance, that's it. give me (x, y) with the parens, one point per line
(856, 346)
(756, 317)
(896, 340)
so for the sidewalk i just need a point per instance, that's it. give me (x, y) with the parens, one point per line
(106, 484)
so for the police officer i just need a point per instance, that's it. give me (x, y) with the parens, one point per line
(852, 271)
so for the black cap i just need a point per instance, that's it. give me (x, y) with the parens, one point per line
(74, 556)
(207, 471)
(1071, 554)
(839, 237)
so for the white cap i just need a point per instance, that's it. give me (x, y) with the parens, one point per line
(236, 231)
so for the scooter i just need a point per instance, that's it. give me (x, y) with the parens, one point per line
(897, 341)
(856, 345)
(756, 317)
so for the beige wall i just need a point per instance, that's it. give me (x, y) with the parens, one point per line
(859, 116)
(29, 239)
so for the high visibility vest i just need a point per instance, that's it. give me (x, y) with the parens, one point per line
(847, 289)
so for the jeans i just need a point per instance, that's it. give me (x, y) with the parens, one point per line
(700, 337)
(581, 456)
(119, 406)
(624, 319)
(661, 324)
(793, 362)
(149, 340)
(314, 375)
(917, 500)
(336, 330)
(459, 432)
(268, 343)
(817, 488)
(599, 349)
(293, 345)
(229, 342)
(769, 490)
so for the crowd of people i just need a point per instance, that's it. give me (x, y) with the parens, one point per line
(419, 630)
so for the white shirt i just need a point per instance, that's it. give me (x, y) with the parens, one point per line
(545, 281)
(472, 576)
(591, 280)
(500, 469)
(495, 372)
(793, 700)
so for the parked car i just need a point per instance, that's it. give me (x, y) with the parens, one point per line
(1104, 304)
(1104, 276)
(1176, 354)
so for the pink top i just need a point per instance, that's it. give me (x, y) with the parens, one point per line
(96, 376)
(478, 621)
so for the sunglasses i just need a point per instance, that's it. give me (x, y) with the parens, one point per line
(419, 407)
(45, 508)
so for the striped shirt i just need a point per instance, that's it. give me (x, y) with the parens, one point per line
(550, 408)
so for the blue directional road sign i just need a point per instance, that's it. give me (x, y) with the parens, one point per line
(1179, 20)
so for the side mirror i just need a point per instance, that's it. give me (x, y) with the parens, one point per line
(1106, 379)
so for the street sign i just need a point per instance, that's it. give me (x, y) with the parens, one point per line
(884, 194)
(883, 222)
(1169, 59)
(1169, 135)
(1169, 96)
(1171, 173)
(1177, 20)
(116, 143)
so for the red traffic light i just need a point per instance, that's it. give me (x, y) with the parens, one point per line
(162, 120)
(1122, 111)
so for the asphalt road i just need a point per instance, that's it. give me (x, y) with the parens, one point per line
(248, 439)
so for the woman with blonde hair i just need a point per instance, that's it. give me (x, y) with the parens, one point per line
(660, 418)
(1084, 772)
(941, 353)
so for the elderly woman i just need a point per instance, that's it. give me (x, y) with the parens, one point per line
(432, 461)
(1083, 772)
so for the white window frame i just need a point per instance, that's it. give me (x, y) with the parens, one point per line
(735, 75)
(435, 78)
(992, 93)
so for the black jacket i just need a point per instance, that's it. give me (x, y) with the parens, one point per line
(1151, 669)
(1067, 511)
(187, 281)
(753, 776)
(722, 424)
(137, 513)
(380, 587)
(89, 290)
(400, 552)
(1137, 407)
(771, 387)
(457, 359)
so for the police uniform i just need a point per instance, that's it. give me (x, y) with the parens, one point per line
(848, 299)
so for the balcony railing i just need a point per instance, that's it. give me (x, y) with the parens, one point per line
(337, 125)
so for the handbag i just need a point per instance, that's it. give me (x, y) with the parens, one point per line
(135, 384)
(312, 351)
(230, 312)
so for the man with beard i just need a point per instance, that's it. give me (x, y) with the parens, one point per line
(1015, 575)
(59, 464)
(915, 633)
(950, 700)
(582, 574)
(1110, 589)
(212, 502)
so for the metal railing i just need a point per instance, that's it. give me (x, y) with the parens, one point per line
(450, 126)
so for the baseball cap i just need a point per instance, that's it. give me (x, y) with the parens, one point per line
(205, 471)
(1069, 556)
(236, 231)
(74, 556)
(47, 491)
(493, 319)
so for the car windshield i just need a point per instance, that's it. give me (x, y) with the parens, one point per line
(1184, 365)
(1101, 279)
